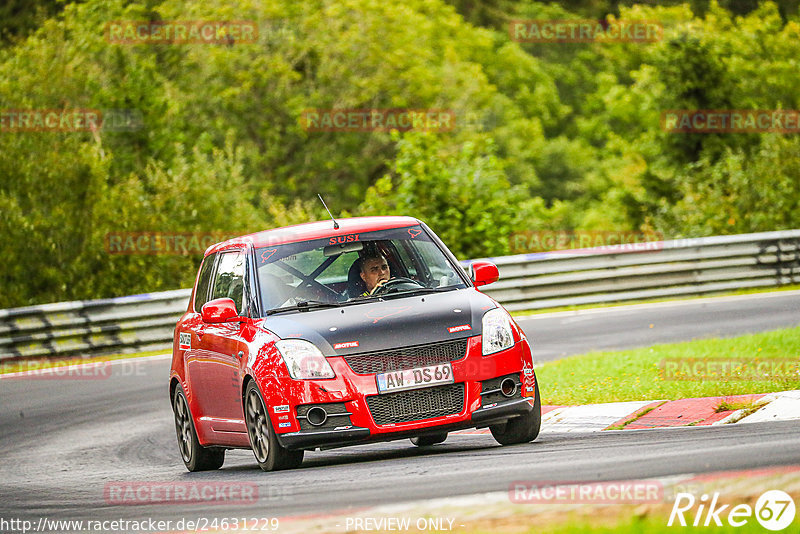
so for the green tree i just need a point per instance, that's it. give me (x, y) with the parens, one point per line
(221, 146)
(464, 195)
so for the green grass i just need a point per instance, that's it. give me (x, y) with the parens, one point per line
(638, 374)
(636, 416)
(648, 525)
(726, 406)
(631, 524)
(750, 291)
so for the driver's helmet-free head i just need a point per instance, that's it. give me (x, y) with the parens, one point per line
(370, 256)
(371, 253)
(370, 250)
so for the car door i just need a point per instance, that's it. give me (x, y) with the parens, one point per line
(224, 350)
(191, 331)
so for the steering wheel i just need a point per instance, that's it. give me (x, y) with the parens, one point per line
(315, 291)
(390, 286)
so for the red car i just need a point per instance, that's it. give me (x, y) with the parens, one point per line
(331, 333)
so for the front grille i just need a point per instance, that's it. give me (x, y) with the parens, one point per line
(416, 404)
(384, 361)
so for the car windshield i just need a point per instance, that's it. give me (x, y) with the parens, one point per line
(342, 269)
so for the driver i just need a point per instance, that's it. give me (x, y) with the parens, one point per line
(374, 272)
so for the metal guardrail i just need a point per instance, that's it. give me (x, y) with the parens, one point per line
(683, 267)
(124, 324)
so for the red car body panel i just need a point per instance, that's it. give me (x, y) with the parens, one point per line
(215, 365)
(314, 230)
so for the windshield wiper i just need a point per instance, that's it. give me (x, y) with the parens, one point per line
(304, 306)
(419, 290)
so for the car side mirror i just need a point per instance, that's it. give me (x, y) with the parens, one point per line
(483, 272)
(220, 311)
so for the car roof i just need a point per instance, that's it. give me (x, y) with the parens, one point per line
(313, 230)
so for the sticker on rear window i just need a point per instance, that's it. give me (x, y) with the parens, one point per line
(267, 254)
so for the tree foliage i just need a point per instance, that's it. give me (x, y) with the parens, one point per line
(547, 136)
(465, 195)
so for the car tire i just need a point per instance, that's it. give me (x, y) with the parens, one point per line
(520, 429)
(428, 440)
(269, 453)
(195, 457)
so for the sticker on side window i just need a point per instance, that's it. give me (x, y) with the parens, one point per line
(185, 341)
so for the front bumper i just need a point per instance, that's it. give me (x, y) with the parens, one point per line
(354, 398)
(502, 412)
(322, 438)
(325, 439)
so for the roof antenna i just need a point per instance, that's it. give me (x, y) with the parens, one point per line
(335, 224)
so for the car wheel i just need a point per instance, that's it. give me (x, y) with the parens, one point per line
(430, 439)
(270, 455)
(195, 456)
(520, 429)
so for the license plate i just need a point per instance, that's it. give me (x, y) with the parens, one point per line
(415, 378)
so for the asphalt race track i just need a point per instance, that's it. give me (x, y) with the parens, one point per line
(63, 441)
(566, 333)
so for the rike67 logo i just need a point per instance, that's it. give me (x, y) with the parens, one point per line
(774, 510)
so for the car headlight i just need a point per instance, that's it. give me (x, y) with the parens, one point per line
(304, 360)
(497, 334)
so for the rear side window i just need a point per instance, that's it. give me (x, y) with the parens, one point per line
(229, 281)
(201, 294)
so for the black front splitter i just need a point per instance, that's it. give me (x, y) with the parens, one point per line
(329, 439)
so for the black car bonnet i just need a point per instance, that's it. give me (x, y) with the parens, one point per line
(384, 324)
